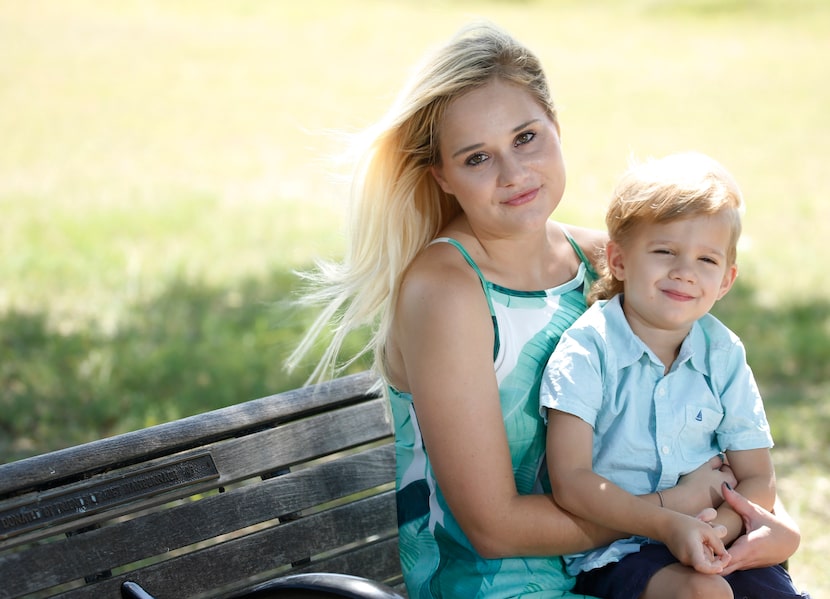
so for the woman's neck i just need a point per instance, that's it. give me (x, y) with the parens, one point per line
(528, 263)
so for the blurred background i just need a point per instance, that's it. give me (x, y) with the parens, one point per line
(166, 166)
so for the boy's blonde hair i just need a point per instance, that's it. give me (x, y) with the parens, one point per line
(397, 206)
(664, 190)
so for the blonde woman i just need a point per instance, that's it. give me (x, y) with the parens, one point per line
(467, 284)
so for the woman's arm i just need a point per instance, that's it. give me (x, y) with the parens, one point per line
(444, 335)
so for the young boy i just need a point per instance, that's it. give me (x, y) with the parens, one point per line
(647, 385)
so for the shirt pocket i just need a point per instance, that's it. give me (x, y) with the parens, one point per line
(697, 438)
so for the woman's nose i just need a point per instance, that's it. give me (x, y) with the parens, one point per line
(511, 170)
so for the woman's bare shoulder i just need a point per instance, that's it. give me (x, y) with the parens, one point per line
(441, 312)
(592, 241)
(441, 269)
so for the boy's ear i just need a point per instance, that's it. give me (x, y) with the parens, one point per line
(615, 260)
(728, 280)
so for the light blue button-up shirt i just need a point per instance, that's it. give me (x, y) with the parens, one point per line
(651, 428)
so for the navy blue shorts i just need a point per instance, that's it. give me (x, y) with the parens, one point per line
(627, 579)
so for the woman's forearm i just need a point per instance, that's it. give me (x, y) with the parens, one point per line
(536, 525)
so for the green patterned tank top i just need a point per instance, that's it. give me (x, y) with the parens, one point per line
(436, 557)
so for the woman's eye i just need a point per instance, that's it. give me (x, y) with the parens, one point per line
(476, 159)
(524, 138)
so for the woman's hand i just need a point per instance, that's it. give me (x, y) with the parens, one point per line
(701, 488)
(768, 539)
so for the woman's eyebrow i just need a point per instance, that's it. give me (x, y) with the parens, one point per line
(467, 149)
(523, 125)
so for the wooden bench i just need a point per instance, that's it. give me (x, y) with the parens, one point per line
(211, 505)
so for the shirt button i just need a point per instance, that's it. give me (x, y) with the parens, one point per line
(661, 391)
(665, 449)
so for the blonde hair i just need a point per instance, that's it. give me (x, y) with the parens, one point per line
(397, 207)
(664, 190)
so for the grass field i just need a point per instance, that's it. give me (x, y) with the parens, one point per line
(165, 165)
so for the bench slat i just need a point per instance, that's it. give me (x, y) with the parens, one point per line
(332, 431)
(188, 432)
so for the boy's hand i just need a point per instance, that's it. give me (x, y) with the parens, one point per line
(701, 488)
(697, 544)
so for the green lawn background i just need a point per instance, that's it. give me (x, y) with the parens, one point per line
(165, 165)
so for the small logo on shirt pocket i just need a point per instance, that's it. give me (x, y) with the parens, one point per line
(697, 438)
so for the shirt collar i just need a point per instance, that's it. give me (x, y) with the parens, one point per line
(630, 349)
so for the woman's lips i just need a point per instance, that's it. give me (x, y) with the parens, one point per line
(523, 198)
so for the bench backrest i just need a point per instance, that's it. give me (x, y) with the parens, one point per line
(210, 504)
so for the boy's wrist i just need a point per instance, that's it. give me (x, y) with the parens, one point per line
(731, 520)
(665, 525)
(670, 499)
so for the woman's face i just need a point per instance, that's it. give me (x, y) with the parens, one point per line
(501, 159)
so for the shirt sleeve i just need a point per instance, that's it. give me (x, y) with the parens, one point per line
(744, 425)
(572, 379)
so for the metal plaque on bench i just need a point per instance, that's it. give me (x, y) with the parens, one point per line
(108, 493)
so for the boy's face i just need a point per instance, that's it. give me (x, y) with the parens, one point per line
(673, 273)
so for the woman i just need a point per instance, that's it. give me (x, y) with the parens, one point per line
(468, 284)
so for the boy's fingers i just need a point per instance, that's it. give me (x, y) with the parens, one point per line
(707, 515)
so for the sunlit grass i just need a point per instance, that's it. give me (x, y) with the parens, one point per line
(137, 108)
